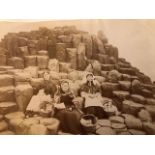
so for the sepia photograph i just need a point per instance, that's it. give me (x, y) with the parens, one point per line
(77, 77)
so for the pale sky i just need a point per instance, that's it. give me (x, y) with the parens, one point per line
(135, 39)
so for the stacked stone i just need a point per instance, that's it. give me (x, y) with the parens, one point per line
(68, 53)
(7, 100)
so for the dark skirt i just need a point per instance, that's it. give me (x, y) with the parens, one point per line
(95, 110)
(69, 120)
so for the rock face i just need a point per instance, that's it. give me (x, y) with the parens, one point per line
(131, 107)
(41, 59)
(23, 94)
(6, 80)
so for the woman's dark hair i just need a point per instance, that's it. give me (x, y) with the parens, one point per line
(50, 88)
(62, 82)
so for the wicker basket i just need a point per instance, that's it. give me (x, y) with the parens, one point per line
(88, 123)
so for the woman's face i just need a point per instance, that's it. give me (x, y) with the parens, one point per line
(89, 78)
(65, 87)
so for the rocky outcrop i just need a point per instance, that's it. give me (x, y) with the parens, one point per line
(68, 53)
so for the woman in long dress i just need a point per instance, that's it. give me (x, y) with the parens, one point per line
(66, 111)
(90, 91)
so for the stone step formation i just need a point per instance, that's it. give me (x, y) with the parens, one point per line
(69, 53)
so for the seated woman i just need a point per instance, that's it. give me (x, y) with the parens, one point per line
(66, 111)
(90, 91)
(39, 103)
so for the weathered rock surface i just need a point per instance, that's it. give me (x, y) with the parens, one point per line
(131, 107)
(23, 94)
(105, 131)
(7, 107)
(65, 53)
(133, 122)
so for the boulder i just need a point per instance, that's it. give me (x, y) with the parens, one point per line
(81, 56)
(65, 38)
(144, 115)
(119, 127)
(72, 57)
(6, 68)
(129, 71)
(55, 75)
(6, 80)
(100, 79)
(3, 126)
(150, 101)
(108, 67)
(74, 75)
(24, 126)
(104, 74)
(7, 94)
(146, 93)
(14, 115)
(116, 119)
(126, 77)
(42, 62)
(64, 67)
(38, 129)
(105, 131)
(61, 51)
(149, 128)
(42, 52)
(53, 65)
(30, 121)
(32, 71)
(52, 125)
(102, 37)
(138, 98)
(112, 60)
(22, 77)
(94, 67)
(102, 58)
(131, 107)
(125, 85)
(76, 40)
(124, 65)
(42, 43)
(16, 62)
(113, 76)
(111, 51)
(7, 107)
(22, 41)
(136, 87)
(86, 38)
(23, 94)
(100, 46)
(136, 132)
(14, 125)
(107, 88)
(151, 110)
(121, 95)
(132, 122)
(3, 60)
(23, 51)
(30, 60)
(104, 123)
(63, 75)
